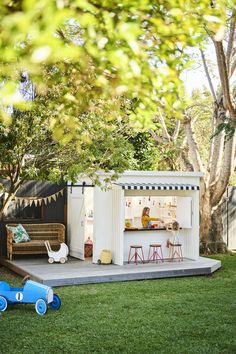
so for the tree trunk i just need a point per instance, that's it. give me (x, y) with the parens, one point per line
(5, 205)
(217, 244)
(205, 216)
(10, 194)
(211, 226)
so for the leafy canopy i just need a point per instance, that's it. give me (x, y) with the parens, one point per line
(132, 47)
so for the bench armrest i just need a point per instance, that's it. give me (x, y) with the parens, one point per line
(9, 243)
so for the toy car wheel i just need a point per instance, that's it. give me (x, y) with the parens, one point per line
(62, 260)
(50, 260)
(3, 303)
(56, 303)
(40, 307)
(99, 261)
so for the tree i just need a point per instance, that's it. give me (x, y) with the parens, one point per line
(214, 115)
(126, 48)
(29, 152)
(221, 161)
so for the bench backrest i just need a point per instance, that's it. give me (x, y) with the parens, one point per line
(53, 231)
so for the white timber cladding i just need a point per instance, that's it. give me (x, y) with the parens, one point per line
(118, 217)
(109, 212)
(103, 222)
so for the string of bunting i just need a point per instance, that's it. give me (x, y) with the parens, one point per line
(38, 201)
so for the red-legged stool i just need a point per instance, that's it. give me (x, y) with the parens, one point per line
(176, 251)
(136, 254)
(155, 253)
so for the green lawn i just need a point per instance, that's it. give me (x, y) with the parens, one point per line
(188, 315)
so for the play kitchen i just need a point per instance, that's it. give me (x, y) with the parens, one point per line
(150, 212)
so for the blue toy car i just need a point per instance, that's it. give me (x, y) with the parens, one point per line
(32, 292)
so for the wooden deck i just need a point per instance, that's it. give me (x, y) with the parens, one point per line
(84, 272)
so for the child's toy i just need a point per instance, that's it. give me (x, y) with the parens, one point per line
(57, 256)
(105, 257)
(32, 292)
(174, 244)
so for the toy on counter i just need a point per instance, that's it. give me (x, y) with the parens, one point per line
(32, 293)
(57, 256)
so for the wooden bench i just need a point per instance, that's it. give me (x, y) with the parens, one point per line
(38, 233)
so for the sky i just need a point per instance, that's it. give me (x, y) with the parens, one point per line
(195, 78)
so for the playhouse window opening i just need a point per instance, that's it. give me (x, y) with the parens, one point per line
(161, 207)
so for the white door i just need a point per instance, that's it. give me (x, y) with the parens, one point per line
(76, 221)
(184, 212)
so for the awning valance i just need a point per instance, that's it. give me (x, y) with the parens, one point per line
(159, 186)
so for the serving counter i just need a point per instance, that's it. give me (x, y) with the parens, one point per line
(145, 237)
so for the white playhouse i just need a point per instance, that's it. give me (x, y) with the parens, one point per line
(111, 219)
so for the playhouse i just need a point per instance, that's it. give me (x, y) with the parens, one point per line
(111, 218)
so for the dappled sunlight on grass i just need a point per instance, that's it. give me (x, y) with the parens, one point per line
(182, 315)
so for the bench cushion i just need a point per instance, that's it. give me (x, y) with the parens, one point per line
(19, 233)
(33, 244)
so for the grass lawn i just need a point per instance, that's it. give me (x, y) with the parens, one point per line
(182, 315)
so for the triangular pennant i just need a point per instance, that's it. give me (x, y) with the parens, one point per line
(26, 202)
(61, 192)
(31, 202)
(54, 197)
(35, 202)
(45, 200)
(20, 201)
(49, 199)
(40, 202)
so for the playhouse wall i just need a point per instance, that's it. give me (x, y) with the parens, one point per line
(102, 222)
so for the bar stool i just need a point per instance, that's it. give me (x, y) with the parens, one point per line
(176, 250)
(136, 254)
(155, 252)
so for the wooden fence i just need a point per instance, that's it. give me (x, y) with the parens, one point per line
(229, 218)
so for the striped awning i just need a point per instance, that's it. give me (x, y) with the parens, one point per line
(159, 186)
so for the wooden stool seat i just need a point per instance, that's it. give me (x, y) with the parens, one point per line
(157, 254)
(136, 254)
(176, 251)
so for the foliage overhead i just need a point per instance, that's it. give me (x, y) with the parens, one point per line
(131, 48)
(28, 150)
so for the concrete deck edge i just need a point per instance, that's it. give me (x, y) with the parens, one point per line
(18, 270)
(160, 274)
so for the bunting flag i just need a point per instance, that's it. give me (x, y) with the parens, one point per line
(39, 201)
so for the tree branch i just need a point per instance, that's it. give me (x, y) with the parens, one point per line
(163, 125)
(155, 137)
(176, 131)
(231, 40)
(232, 68)
(220, 55)
(217, 144)
(218, 189)
(185, 160)
(208, 74)
(193, 147)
